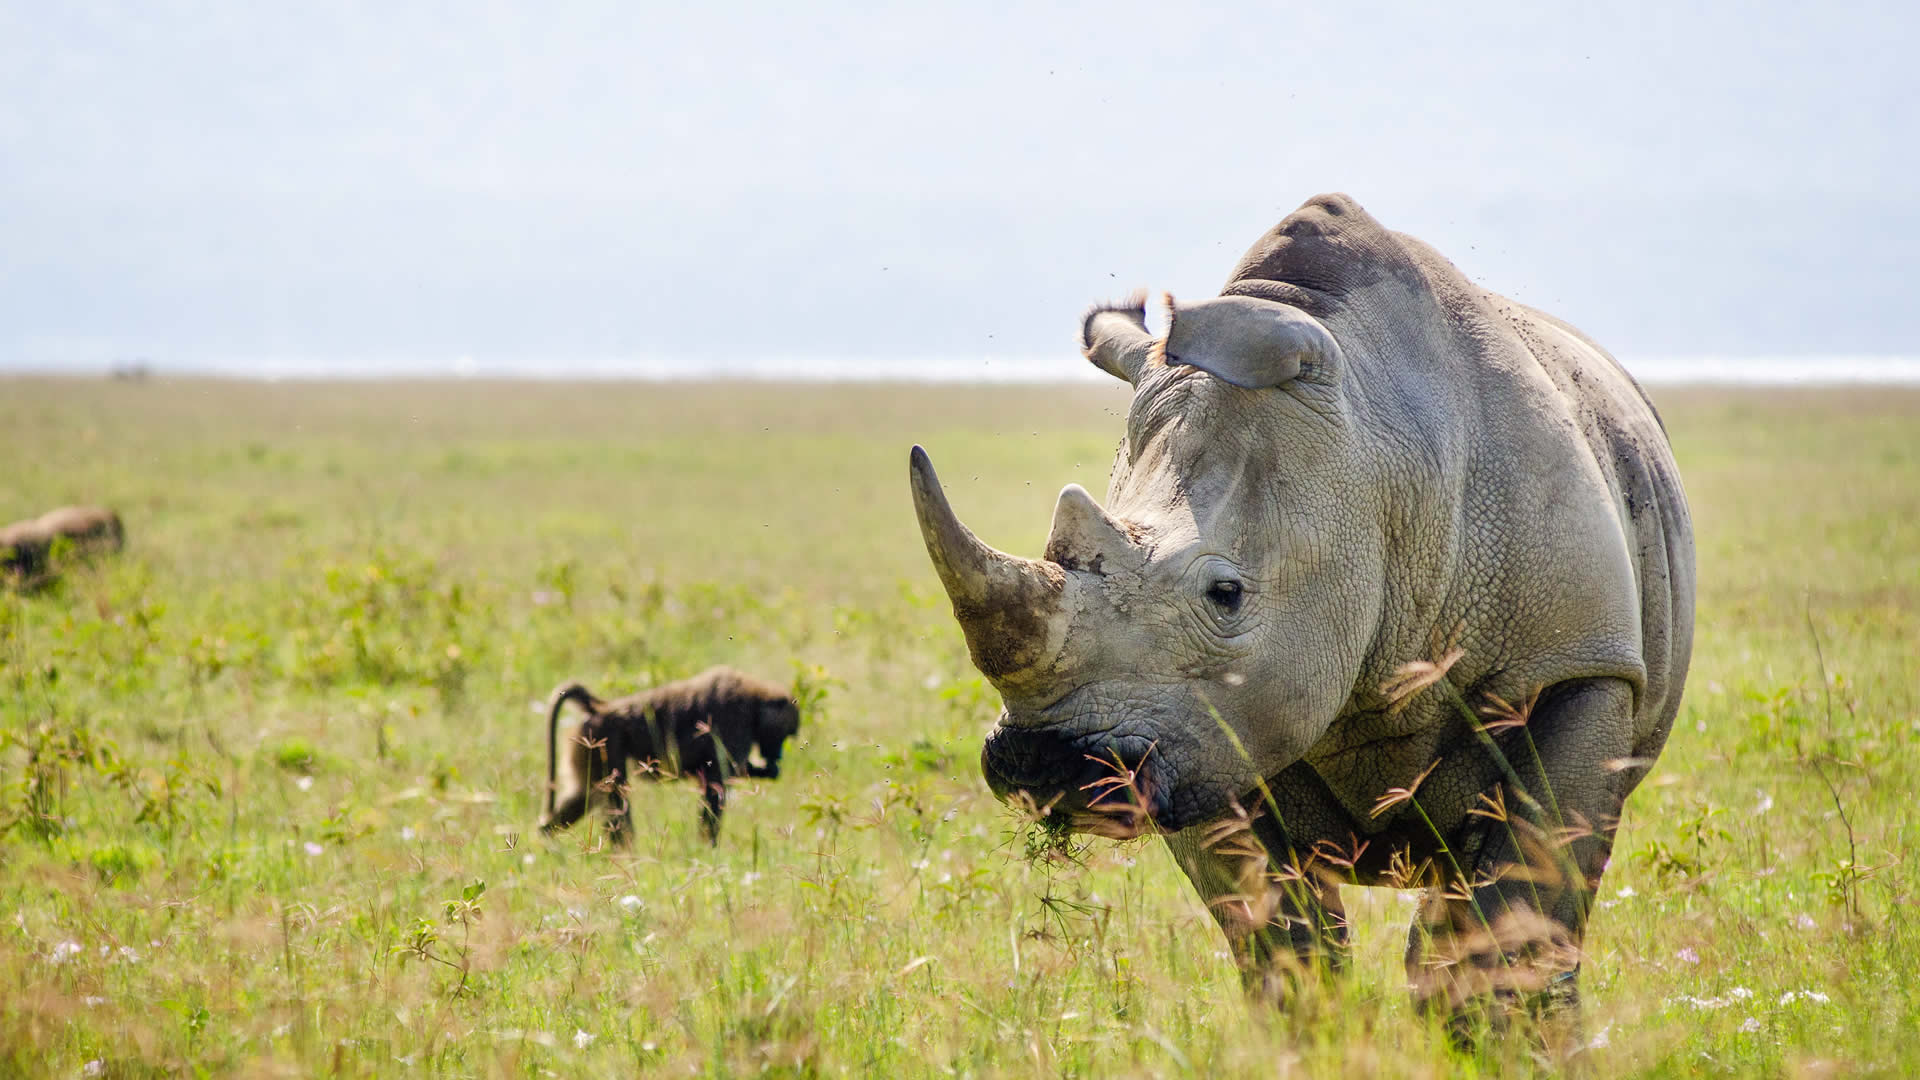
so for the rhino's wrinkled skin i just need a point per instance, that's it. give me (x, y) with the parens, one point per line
(1351, 460)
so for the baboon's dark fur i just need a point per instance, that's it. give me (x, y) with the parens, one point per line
(704, 728)
(26, 545)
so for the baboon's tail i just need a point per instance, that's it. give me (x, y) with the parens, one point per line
(574, 692)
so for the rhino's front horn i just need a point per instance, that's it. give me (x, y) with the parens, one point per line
(1009, 607)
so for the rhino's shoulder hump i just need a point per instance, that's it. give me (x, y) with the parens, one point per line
(1330, 246)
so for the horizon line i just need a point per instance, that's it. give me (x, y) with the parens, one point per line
(1662, 369)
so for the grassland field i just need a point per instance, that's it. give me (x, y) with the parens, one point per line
(268, 777)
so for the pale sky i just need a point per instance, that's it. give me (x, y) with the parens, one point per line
(212, 182)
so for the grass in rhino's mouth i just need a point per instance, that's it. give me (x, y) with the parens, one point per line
(1042, 836)
(1116, 807)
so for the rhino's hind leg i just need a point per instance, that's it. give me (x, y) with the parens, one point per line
(1507, 940)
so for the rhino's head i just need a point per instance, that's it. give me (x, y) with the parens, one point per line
(1202, 630)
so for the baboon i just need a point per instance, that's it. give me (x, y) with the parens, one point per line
(704, 728)
(26, 545)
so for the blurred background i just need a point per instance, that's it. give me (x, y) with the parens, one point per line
(832, 189)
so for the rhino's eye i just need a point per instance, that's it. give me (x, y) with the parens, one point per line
(1225, 594)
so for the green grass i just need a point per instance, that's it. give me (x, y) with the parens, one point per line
(246, 759)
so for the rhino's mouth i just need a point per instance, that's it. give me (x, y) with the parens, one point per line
(1104, 783)
(1112, 772)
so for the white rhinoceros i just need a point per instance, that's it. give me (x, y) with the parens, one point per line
(1394, 586)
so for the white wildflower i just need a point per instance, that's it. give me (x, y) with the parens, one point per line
(1600, 1040)
(406, 832)
(1765, 804)
(1740, 992)
(62, 951)
(96, 1067)
(128, 956)
(1624, 891)
(92, 1002)
(582, 1039)
(313, 849)
(1805, 922)
(632, 903)
(1752, 1024)
(304, 783)
(1686, 955)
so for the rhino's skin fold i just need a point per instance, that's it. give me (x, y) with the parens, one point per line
(1351, 460)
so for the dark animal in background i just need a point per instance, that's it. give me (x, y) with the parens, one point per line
(704, 728)
(25, 546)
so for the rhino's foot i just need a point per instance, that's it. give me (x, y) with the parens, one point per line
(1281, 978)
(1304, 943)
(1282, 987)
(1518, 976)
(1546, 1021)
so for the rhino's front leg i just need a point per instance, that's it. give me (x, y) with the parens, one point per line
(1511, 933)
(1280, 925)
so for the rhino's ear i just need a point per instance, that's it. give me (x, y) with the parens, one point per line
(1246, 341)
(1114, 337)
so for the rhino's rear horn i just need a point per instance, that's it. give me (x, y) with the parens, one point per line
(1115, 338)
(1085, 538)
